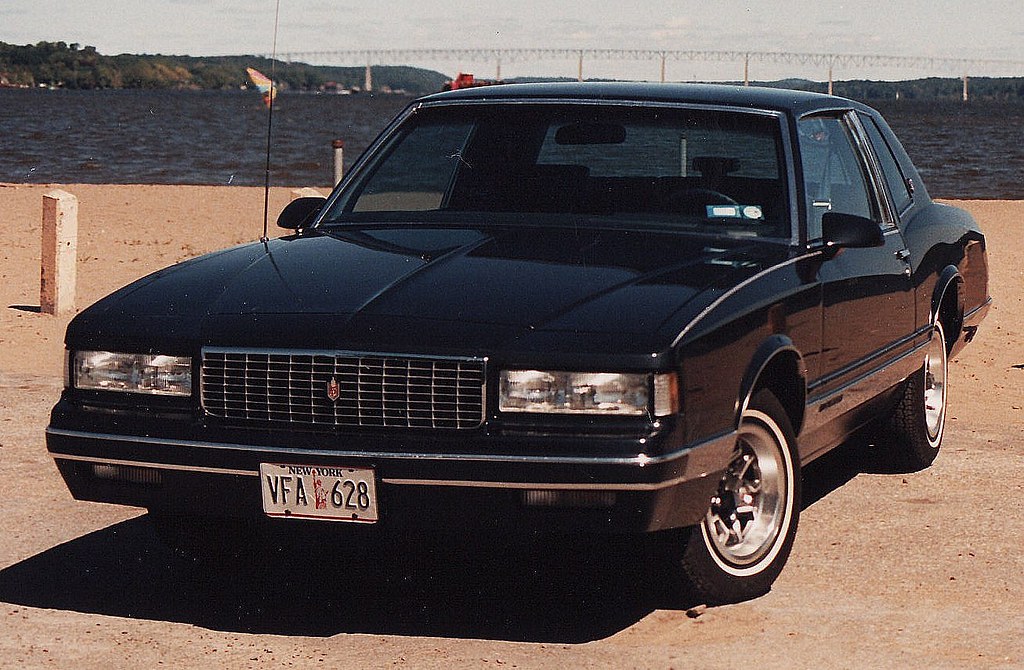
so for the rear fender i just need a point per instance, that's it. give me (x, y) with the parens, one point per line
(950, 286)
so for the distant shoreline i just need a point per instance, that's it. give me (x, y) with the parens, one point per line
(938, 89)
(71, 66)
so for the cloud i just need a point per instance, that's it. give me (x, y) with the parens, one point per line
(674, 28)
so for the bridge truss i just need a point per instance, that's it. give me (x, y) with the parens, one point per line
(936, 66)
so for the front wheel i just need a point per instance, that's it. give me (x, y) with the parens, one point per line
(741, 546)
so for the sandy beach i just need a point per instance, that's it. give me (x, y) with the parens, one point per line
(918, 570)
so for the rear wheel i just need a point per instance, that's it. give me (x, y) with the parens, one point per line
(741, 546)
(919, 420)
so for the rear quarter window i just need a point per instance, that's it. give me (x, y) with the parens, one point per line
(894, 176)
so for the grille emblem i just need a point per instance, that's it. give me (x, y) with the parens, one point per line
(333, 390)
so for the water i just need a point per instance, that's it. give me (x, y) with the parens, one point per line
(160, 137)
(972, 150)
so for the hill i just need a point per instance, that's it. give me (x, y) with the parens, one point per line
(57, 64)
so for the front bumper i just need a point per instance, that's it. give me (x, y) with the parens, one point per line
(423, 490)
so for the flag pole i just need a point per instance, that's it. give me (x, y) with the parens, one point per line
(270, 123)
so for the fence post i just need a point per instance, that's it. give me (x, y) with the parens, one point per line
(339, 160)
(59, 253)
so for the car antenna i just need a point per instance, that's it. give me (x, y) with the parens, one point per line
(270, 124)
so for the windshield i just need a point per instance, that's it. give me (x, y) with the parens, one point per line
(704, 169)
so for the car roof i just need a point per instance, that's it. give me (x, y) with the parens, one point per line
(752, 97)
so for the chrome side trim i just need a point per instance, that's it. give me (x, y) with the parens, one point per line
(155, 466)
(868, 366)
(653, 486)
(823, 408)
(736, 289)
(709, 454)
(860, 379)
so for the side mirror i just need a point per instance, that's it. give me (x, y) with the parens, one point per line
(299, 212)
(849, 231)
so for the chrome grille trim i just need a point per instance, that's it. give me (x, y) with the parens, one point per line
(382, 390)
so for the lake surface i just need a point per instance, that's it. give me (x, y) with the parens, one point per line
(972, 150)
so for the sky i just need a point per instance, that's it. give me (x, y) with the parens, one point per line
(982, 29)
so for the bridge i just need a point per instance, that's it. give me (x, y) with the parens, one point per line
(945, 66)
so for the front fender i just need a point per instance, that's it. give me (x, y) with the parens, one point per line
(778, 365)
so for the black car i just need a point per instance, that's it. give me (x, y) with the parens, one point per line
(600, 308)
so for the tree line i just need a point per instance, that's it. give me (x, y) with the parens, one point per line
(931, 88)
(61, 65)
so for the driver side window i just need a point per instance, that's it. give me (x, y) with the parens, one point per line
(834, 178)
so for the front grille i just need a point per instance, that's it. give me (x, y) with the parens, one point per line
(370, 389)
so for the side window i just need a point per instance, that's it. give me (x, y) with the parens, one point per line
(894, 176)
(834, 178)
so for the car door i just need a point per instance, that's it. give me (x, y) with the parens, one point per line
(867, 294)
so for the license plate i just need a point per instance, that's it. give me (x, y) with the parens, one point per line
(325, 493)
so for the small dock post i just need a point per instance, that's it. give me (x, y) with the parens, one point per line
(339, 160)
(59, 253)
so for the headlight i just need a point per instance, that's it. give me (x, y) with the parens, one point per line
(132, 373)
(618, 394)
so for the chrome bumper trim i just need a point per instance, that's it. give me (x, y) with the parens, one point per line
(710, 454)
(640, 460)
(156, 466)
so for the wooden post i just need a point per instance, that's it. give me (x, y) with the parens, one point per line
(662, 68)
(339, 160)
(579, 67)
(59, 253)
(368, 79)
(746, 69)
(965, 88)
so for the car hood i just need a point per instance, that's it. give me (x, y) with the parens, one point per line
(464, 289)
